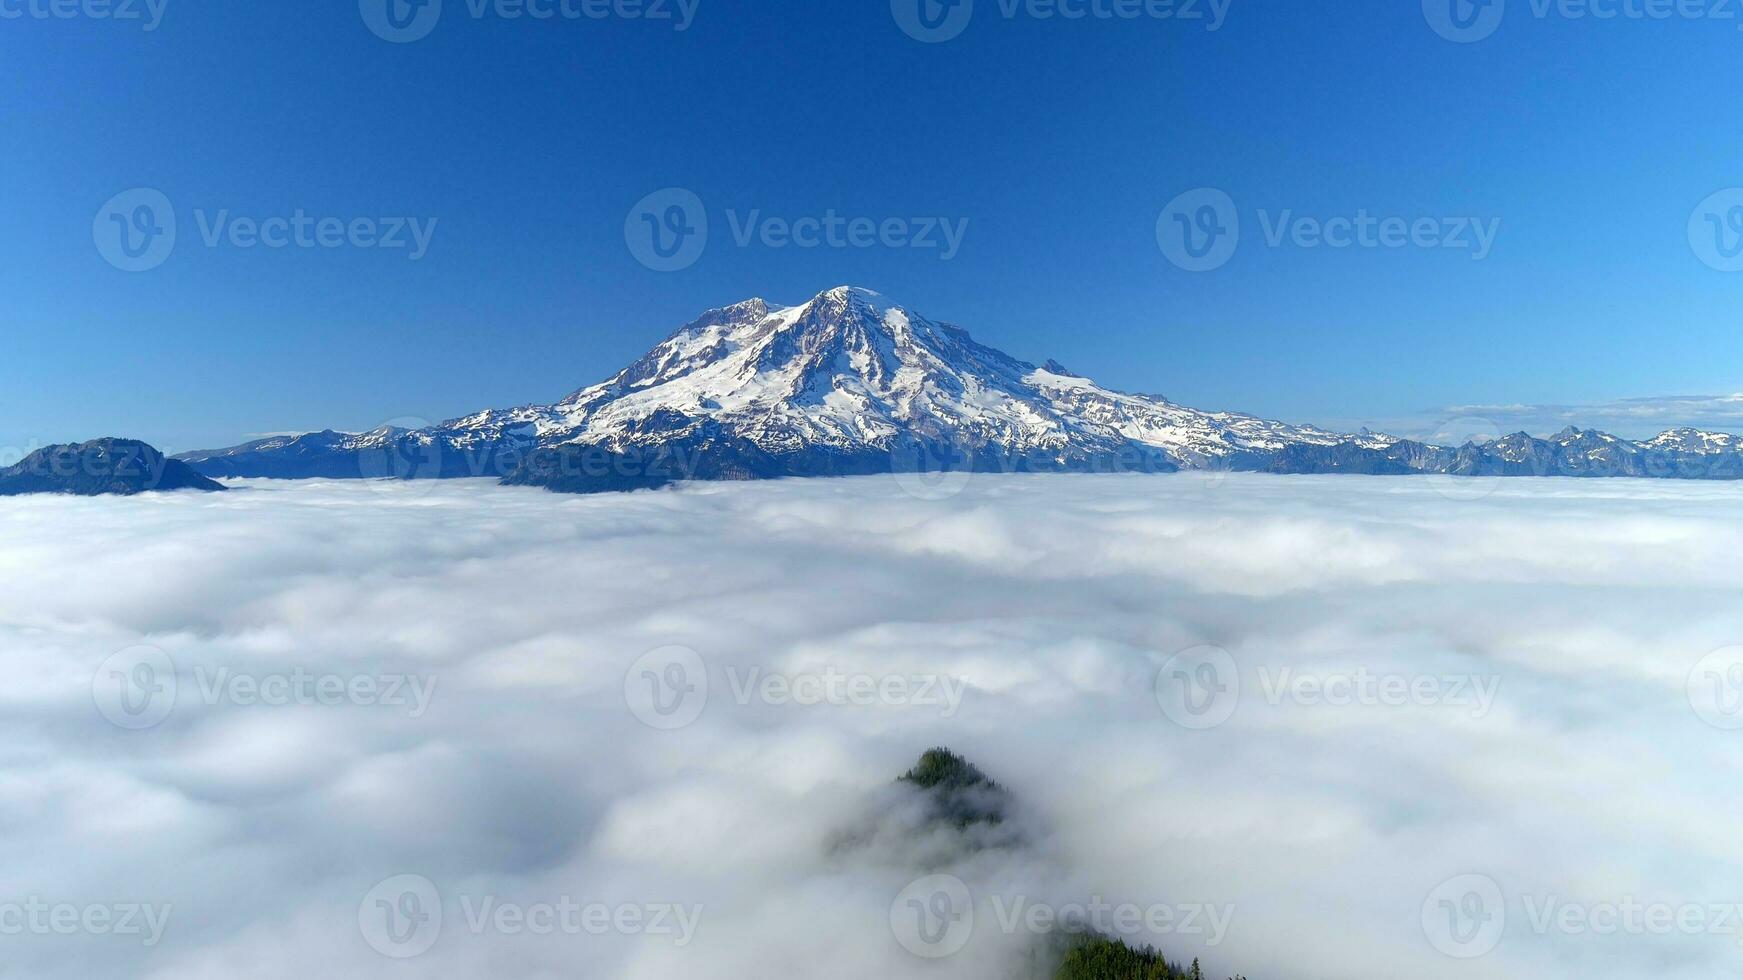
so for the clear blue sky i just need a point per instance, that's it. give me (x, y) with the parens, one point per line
(1592, 141)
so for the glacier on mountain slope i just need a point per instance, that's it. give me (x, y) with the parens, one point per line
(851, 370)
(853, 383)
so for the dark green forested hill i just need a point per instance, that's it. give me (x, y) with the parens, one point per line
(1110, 959)
(963, 796)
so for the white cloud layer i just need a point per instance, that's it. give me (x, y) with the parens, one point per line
(527, 781)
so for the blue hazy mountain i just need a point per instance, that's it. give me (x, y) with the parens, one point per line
(102, 466)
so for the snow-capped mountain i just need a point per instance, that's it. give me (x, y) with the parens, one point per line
(851, 382)
(852, 372)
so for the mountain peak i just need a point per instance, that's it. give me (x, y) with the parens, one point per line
(852, 382)
(848, 292)
(850, 297)
(99, 467)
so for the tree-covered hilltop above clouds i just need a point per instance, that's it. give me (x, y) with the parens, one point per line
(956, 797)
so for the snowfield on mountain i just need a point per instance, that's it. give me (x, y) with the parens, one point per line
(851, 383)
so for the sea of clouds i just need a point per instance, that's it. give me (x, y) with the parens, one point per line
(1367, 727)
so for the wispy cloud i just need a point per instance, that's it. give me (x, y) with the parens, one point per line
(1631, 418)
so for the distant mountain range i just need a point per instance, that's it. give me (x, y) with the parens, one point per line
(850, 383)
